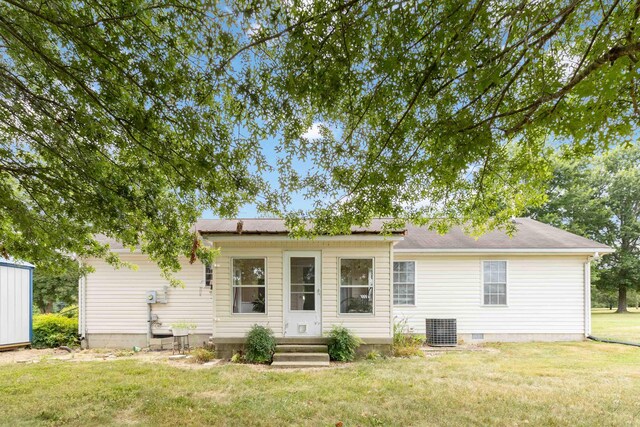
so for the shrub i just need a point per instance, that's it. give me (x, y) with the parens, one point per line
(54, 330)
(237, 358)
(404, 344)
(342, 344)
(203, 355)
(70, 311)
(373, 355)
(261, 344)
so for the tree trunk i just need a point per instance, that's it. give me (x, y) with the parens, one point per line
(49, 306)
(622, 299)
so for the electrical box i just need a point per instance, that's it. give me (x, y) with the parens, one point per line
(152, 297)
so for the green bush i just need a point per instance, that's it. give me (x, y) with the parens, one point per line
(405, 344)
(260, 346)
(203, 355)
(342, 344)
(373, 355)
(237, 358)
(54, 330)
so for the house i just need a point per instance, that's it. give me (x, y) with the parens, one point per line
(16, 300)
(532, 286)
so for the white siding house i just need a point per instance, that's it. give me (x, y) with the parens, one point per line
(545, 296)
(531, 286)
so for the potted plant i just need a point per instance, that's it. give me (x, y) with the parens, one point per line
(182, 328)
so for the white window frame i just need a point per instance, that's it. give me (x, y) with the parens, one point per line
(233, 286)
(506, 283)
(372, 286)
(415, 274)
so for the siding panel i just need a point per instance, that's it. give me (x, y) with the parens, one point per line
(545, 294)
(116, 303)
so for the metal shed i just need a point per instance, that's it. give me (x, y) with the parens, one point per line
(16, 301)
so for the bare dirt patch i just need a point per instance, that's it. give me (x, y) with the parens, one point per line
(79, 355)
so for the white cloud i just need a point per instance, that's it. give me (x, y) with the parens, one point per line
(313, 132)
(254, 29)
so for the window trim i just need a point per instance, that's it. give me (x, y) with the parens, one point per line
(415, 280)
(232, 286)
(506, 284)
(373, 286)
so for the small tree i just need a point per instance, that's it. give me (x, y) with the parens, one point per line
(50, 288)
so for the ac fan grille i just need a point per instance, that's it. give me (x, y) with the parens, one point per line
(442, 332)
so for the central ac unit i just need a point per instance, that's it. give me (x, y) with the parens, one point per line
(442, 332)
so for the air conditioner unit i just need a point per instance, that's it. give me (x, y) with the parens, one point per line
(442, 332)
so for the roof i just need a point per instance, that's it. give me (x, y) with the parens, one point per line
(530, 234)
(271, 226)
(17, 263)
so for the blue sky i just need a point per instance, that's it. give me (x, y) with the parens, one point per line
(269, 151)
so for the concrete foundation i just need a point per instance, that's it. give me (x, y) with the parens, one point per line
(130, 340)
(226, 347)
(475, 339)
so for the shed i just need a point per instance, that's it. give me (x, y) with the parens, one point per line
(16, 301)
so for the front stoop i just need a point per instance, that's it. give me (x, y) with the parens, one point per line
(300, 356)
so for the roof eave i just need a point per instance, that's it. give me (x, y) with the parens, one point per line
(234, 237)
(475, 251)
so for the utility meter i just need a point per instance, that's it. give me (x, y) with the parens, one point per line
(152, 297)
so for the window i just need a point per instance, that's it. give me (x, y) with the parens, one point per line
(495, 282)
(356, 285)
(404, 283)
(302, 275)
(208, 276)
(249, 286)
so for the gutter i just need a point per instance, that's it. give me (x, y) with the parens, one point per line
(568, 251)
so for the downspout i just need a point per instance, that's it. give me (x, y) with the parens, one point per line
(587, 297)
(150, 324)
(82, 311)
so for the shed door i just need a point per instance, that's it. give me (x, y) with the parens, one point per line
(15, 305)
(303, 292)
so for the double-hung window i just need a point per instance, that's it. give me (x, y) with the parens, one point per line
(356, 285)
(249, 285)
(208, 276)
(494, 282)
(404, 283)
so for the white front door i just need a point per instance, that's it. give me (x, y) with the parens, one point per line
(303, 294)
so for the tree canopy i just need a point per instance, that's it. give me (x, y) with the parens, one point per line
(130, 118)
(51, 288)
(601, 200)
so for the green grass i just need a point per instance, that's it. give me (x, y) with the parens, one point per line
(607, 323)
(583, 383)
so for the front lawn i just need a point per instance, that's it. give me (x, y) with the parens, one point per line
(583, 383)
(622, 326)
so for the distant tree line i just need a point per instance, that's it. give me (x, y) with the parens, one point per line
(599, 198)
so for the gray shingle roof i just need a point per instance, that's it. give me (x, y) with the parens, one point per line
(270, 226)
(531, 234)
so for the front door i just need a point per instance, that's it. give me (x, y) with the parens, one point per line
(302, 294)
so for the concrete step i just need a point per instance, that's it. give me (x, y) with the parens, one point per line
(301, 348)
(300, 364)
(301, 357)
